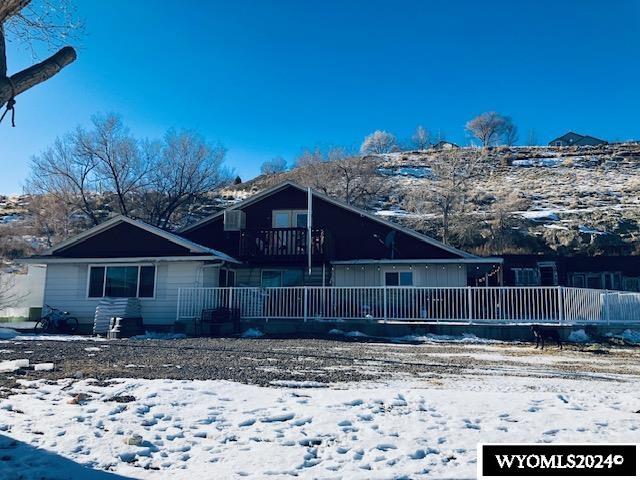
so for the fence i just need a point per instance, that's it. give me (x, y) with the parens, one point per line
(497, 305)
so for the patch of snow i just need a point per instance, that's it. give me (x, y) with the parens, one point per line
(631, 336)
(579, 336)
(590, 230)
(252, 333)
(43, 367)
(297, 384)
(393, 213)
(432, 338)
(159, 336)
(537, 162)
(13, 365)
(539, 215)
(553, 226)
(413, 172)
(58, 338)
(7, 333)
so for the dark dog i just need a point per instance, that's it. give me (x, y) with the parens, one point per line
(545, 333)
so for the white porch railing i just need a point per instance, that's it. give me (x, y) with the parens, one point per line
(498, 305)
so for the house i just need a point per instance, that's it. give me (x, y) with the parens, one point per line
(282, 237)
(574, 139)
(600, 272)
(444, 145)
(348, 246)
(125, 258)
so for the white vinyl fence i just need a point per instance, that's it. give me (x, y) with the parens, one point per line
(498, 305)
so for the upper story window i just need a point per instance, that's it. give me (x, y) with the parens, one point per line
(289, 218)
(122, 281)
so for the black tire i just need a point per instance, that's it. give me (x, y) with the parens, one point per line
(72, 324)
(42, 325)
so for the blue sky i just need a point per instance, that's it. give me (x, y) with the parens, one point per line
(267, 78)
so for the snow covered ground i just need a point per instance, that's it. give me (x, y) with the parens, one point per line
(137, 428)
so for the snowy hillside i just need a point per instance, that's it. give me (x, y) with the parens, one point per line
(577, 199)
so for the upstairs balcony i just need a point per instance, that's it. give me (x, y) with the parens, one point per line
(282, 244)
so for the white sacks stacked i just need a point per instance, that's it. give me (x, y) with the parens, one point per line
(109, 308)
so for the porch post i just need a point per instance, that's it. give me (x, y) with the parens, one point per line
(606, 306)
(306, 313)
(469, 305)
(560, 291)
(384, 293)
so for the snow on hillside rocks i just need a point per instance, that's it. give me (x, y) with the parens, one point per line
(576, 196)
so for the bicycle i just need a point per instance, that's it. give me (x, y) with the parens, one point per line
(55, 321)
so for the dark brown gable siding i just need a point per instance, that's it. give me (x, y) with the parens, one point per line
(351, 235)
(123, 240)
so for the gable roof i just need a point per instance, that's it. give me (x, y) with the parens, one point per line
(575, 139)
(589, 137)
(575, 136)
(276, 188)
(119, 219)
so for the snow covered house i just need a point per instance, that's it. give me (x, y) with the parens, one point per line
(285, 236)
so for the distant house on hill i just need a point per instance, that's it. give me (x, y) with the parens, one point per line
(444, 145)
(575, 139)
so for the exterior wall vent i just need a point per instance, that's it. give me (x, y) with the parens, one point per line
(234, 220)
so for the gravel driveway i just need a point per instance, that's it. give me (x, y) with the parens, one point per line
(264, 361)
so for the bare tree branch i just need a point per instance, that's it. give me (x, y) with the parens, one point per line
(35, 74)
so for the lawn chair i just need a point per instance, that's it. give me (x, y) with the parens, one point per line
(219, 321)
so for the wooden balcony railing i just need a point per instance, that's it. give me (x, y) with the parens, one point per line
(285, 244)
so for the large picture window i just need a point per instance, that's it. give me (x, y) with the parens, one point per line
(122, 281)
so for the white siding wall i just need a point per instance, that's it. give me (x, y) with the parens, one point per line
(66, 288)
(432, 275)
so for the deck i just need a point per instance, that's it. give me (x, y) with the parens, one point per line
(487, 305)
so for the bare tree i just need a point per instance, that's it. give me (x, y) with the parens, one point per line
(421, 139)
(41, 21)
(117, 160)
(66, 175)
(182, 171)
(337, 172)
(451, 176)
(106, 169)
(275, 165)
(510, 133)
(379, 142)
(532, 138)
(503, 224)
(487, 127)
(53, 220)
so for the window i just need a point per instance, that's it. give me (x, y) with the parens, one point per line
(398, 279)
(301, 219)
(281, 220)
(289, 218)
(271, 278)
(226, 278)
(577, 280)
(547, 274)
(122, 281)
(282, 278)
(526, 276)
